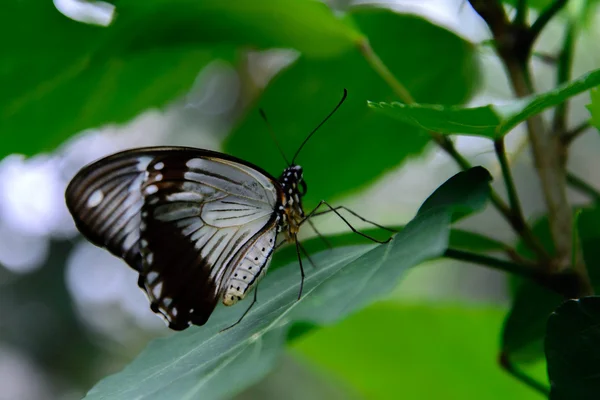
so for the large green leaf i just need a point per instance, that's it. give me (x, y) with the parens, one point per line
(64, 76)
(201, 362)
(415, 352)
(491, 121)
(356, 144)
(573, 350)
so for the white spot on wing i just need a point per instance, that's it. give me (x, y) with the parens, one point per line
(152, 276)
(151, 189)
(159, 165)
(143, 163)
(158, 177)
(157, 290)
(196, 163)
(95, 199)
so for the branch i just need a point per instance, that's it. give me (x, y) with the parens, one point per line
(509, 367)
(513, 199)
(521, 17)
(549, 153)
(545, 17)
(530, 271)
(574, 133)
(583, 187)
(563, 74)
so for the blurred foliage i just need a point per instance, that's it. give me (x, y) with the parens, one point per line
(416, 352)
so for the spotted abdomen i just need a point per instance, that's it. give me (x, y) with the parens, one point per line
(249, 267)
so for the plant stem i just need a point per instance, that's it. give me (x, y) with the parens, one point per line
(563, 74)
(526, 271)
(583, 187)
(509, 367)
(573, 134)
(549, 153)
(513, 199)
(521, 17)
(543, 19)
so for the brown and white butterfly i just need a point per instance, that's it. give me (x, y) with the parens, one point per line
(197, 225)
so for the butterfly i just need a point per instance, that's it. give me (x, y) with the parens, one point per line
(197, 225)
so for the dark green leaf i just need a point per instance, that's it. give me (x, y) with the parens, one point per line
(525, 326)
(356, 145)
(573, 350)
(459, 189)
(65, 76)
(202, 360)
(491, 121)
(416, 352)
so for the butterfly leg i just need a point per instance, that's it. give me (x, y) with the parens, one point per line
(245, 312)
(314, 213)
(298, 247)
(323, 238)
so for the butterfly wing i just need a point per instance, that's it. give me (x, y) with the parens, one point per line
(179, 216)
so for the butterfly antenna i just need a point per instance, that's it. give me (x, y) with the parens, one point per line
(321, 124)
(272, 133)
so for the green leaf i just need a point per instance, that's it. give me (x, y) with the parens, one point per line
(66, 76)
(573, 350)
(525, 326)
(459, 192)
(459, 239)
(415, 352)
(308, 26)
(491, 121)
(202, 360)
(356, 145)
(594, 107)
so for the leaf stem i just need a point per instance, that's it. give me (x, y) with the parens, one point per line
(509, 367)
(513, 198)
(526, 271)
(584, 187)
(378, 65)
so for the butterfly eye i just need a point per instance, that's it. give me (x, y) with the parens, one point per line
(304, 188)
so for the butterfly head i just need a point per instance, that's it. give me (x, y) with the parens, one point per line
(294, 188)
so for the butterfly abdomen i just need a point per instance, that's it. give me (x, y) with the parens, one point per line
(252, 263)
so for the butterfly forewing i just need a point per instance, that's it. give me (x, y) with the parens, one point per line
(105, 200)
(183, 217)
